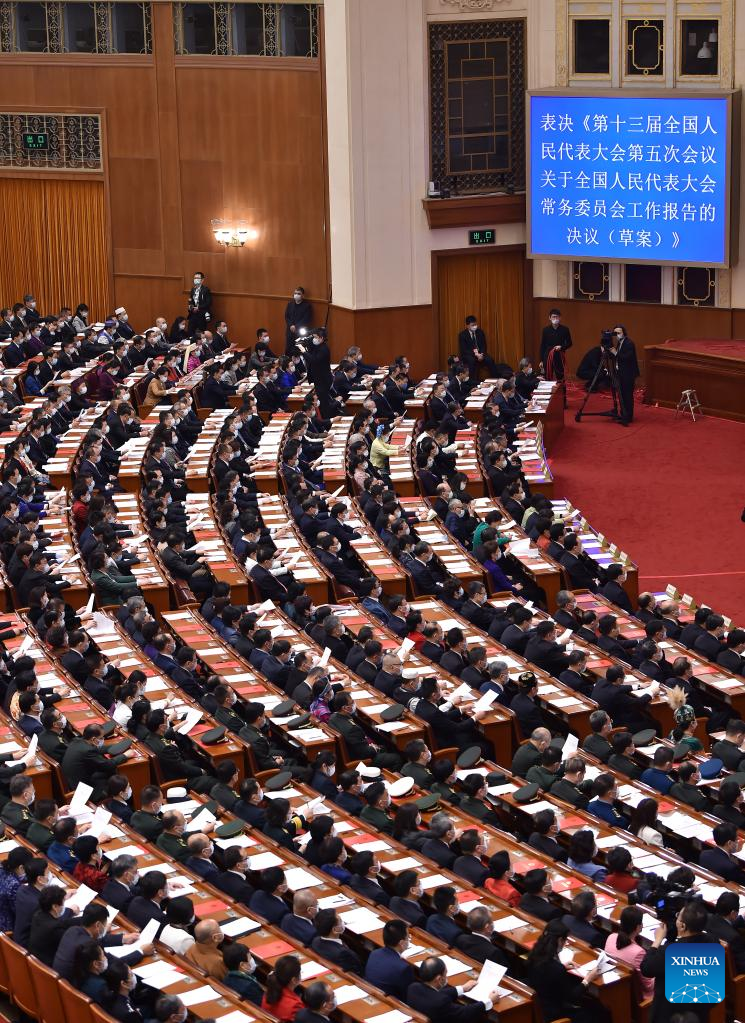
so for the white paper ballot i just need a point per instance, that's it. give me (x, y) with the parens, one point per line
(570, 746)
(485, 702)
(310, 969)
(488, 982)
(508, 923)
(80, 797)
(199, 995)
(88, 607)
(27, 642)
(403, 650)
(394, 1016)
(237, 1017)
(299, 877)
(243, 925)
(193, 717)
(324, 657)
(198, 822)
(31, 751)
(80, 898)
(348, 993)
(100, 819)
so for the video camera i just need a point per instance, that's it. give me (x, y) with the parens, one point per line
(607, 337)
(667, 896)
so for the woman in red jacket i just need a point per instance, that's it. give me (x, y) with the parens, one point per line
(280, 998)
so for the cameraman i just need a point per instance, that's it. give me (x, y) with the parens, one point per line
(689, 928)
(624, 352)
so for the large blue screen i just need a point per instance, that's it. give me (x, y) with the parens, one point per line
(636, 178)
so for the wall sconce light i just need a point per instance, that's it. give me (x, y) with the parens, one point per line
(233, 235)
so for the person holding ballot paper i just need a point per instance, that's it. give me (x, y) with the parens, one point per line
(438, 1001)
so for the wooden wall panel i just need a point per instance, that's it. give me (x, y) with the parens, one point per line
(188, 140)
(382, 334)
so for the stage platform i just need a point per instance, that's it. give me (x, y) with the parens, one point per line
(714, 368)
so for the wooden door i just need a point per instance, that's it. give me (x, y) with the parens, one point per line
(56, 244)
(490, 286)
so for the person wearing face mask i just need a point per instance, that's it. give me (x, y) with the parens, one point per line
(16, 812)
(200, 304)
(328, 551)
(320, 1002)
(386, 967)
(624, 352)
(49, 923)
(117, 1001)
(556, 340)
(241, 976)
(92, 926)
(328, 943)
(121, 885)
(299, 923)
(298, 316)
(176, 933)
(365, 870)
(85, 761)
(199, 860)
(418, 756)
(123, 328)
(525, 379)
(473, 352)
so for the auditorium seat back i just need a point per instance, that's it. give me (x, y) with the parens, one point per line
(21, 987)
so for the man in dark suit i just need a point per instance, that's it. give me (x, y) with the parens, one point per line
(434, 998)
(438, 846)
(722, 860)
(299, 923)
(725, 924)
(612, 589)
(469, 864)
(421, 569)
(386, 967)
(614, 697)
(543, 650)
(232, 880)
(556, 340)
(472, 348)
(710, 644)
(192, 568)
(610, 639)
(575, 676)
(320, 1002)
(121, 887)
(327, 943)
(732, 657)
(534, 900)
(623, 351)
(581, 570)
(147, 905)
(200, 304)
(729, 749)
(477, 941)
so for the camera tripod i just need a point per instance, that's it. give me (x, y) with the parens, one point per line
(608, 364)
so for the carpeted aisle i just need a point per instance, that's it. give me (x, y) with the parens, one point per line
(668, 491)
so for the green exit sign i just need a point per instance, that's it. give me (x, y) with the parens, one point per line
(35, 140)
(484, 236)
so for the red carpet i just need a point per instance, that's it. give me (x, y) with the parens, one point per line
(667, 491)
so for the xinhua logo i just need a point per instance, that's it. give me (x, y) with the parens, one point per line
(694, 973)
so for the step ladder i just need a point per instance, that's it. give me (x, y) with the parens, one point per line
(689, 405)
